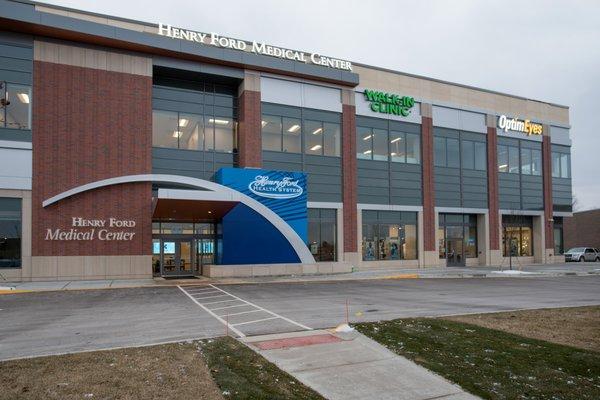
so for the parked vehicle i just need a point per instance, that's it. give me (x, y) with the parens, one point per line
(582, 254)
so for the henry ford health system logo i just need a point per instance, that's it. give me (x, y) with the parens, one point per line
(286, 188)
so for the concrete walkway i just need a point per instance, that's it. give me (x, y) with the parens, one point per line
(351, 366)
(549, 270)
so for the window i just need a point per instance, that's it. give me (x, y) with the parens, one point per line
(513, 160)
(517, 235)
(389, 235)
(446, 152)
(413, 148)
(16, 114)
(322, 138)
(439, 149)
(192, 132)
(397, 146)
(271, 133)
(286, 133)
(480, 156)
(322, 234)
(292, 135)
(561, 165)
(380, 145)
(531, 161)
(473, 155)
(508, 159)
(364, 140)
(10, 232)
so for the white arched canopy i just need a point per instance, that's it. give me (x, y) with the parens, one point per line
(230, 194)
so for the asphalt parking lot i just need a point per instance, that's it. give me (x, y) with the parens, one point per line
(44, 323)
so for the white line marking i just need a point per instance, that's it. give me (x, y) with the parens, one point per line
(265, 310)
(203, 292)
(237, 332)
(252, 322)
(237, 313)
(220, 301)
(222, 308)
(210, 297)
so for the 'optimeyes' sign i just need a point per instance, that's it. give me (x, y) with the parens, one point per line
(514, 124)
(387, 103)
(213, 39)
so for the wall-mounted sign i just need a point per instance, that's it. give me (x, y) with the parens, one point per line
(525, 126)
(387, 103)
(284, 188)
(213, 39)
(92, 229)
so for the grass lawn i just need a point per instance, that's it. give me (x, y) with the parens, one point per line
(243, 374)
(209, 369)
(491, 363)
(575, 326)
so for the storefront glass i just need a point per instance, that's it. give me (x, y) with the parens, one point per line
(10, 232)
(322, 238)
(389, 235)
(517, 235)
(559, 247)
(457, 237)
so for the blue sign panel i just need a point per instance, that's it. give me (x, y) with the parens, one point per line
(247, 237)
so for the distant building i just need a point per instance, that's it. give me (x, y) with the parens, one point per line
(583, 229)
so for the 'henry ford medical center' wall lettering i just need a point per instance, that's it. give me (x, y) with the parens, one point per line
(92, 229)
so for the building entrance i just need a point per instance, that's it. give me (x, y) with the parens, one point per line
(181, 249)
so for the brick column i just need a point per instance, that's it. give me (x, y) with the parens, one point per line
(430, 256)
(249, 122)
(349, 185)
(493, 203)
(548, 206)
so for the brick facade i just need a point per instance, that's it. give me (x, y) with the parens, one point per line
(349, 195)
(428, 184)
(582, 229)
(88, 125)
(492, 172)
(547, 183)
(249, 130)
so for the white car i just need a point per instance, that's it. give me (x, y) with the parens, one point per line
(582, 254)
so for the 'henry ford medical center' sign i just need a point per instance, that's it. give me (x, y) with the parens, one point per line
(212, 39)
(92, 229)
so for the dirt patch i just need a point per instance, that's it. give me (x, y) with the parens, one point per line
(171, 371)
(577, 326)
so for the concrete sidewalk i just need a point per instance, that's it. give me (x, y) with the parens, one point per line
(549, 270)
(352, 366)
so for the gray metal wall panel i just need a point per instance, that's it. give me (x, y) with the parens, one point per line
(198, 164)
(324, 174)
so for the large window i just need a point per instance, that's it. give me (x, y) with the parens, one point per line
(193, 115)
(383, 145)
(389, 235)
(473, 155)
(446, 152)
(561, 165)
(10, 232)
(289, 134)
(524, 160)
(192, 132)
(322, 234)
(517, 235)
(458, 228)
(531, 161)
(15, 110)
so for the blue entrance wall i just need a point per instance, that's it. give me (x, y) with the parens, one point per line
(248, 238)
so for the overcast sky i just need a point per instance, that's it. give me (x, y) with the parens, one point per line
(544, 50)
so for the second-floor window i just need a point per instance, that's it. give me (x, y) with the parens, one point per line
(15, 110)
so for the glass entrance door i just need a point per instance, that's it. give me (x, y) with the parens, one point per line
(455, 256)
(177, 257)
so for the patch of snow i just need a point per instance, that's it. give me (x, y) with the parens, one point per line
(514, 272)
(7, 288)
(344, 328)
